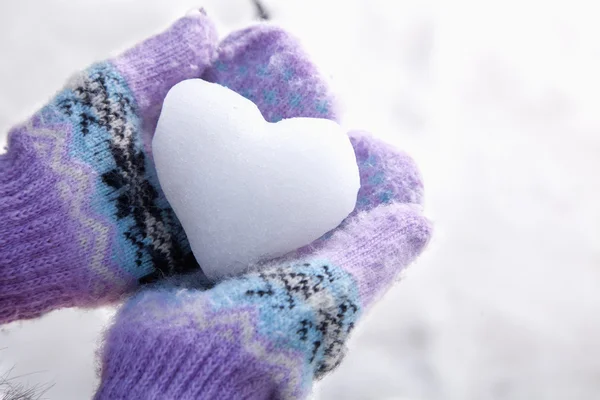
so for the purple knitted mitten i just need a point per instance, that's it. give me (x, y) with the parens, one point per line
(263, 65)
(269, 334)
(83, 217)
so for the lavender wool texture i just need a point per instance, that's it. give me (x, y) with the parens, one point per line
(83, 217)
(84, 220)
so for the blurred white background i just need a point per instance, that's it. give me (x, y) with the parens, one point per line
(498, 103)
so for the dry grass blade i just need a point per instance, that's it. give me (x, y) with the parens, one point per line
(12, 389)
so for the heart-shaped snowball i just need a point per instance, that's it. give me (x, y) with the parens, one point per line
(245, 189)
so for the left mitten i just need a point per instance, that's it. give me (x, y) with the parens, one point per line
(82, 217)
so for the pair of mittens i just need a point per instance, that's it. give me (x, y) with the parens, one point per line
(269, 334)
(84, 221)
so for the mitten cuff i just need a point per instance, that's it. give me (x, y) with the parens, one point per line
(39, 248)
(178, 364)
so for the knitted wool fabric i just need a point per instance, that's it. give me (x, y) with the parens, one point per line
(266, 65)
(269, 334)
(82, 215)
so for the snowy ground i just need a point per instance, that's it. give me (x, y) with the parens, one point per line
(497, 102)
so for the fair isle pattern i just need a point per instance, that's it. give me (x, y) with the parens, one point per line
(314, 303)
(84, 221)
(276, 104)
(387, 175)
(235, 325)
(238, 327)
(106, 137)
(296, 318)
(268, 66)
(75, 187)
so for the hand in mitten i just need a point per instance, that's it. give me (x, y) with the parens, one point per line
(82, 217)
(268, 334)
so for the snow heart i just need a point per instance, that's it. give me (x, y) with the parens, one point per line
(245, 189)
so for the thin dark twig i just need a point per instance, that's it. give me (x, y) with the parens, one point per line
(261, 10)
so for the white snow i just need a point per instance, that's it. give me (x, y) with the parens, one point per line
(244, 189)
(497, 101)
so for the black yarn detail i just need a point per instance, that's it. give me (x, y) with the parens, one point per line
(98, 109)
(307, 289)
(303, 331)
(316, 346)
